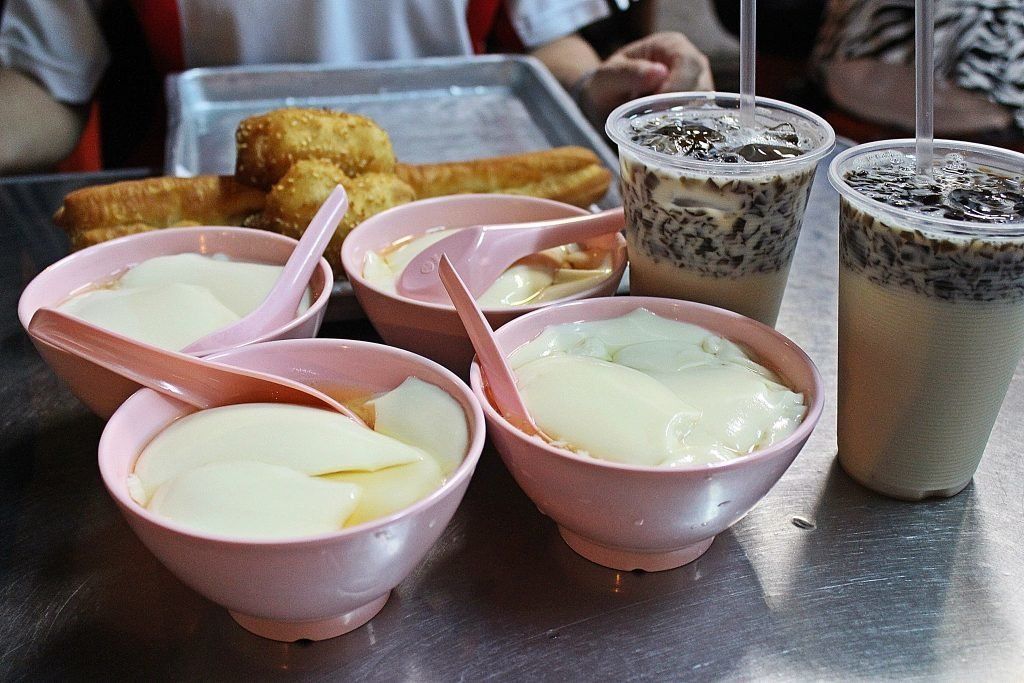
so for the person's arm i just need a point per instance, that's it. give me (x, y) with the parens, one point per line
(52, 55)
(568, 59)
(38, 131)
(661, 62)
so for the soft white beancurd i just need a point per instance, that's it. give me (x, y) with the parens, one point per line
(551, 274)
(605, 410)
(255, 500)
(308, 440)
(740, 410)
(239, 285)
(268, 470)
(172, 301)
(606, 338)
(391, 489)
(148, 314)
(440, 431)
(603, 387)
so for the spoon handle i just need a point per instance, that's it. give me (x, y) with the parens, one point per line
(200, 383)
(484, 252)
(281, 302)
(78, 337)
(499, 375)
(286, 293)
(530, 238)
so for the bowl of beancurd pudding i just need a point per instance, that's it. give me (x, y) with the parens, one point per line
(376, 251)
(663, 422)
(298, 520)
(168, 288)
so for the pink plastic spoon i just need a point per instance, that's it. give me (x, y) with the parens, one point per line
(500, 381)
(198, 382)
(483, 252)
(279, 307)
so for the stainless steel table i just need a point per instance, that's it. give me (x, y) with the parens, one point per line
(823, 580)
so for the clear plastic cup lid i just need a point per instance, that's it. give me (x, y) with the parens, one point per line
(816, 137)
(993, 160)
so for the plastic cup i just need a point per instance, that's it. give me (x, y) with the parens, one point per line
(931, 327)
(714, 232)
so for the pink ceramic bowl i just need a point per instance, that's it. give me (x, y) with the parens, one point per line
(434, 330)
(103, 391)
(313, 587)
(637, 517)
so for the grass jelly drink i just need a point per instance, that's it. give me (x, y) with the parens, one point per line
(931, 310)
(713, 208)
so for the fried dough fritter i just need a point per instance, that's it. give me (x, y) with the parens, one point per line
(122, 208)
(581, 187)
(299, 155)
(268, 145)
(573, 175)
(292, 202)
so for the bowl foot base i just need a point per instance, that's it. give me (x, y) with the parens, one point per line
(321, 629)
(628, 560)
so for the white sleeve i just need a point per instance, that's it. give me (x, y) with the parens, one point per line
(58, 42)
(540, 21)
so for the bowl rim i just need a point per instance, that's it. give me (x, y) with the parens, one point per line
(462, 472)
(25, 312)
(802, 432)
(355, 274)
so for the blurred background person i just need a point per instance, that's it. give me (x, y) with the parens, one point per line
(787, 31)
(852, 61)
(865, 64)
(60, 61)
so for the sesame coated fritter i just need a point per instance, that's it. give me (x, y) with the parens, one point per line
(269, 144)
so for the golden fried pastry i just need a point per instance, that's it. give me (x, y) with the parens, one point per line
(581, 187)
(159, 203)
(300, 155)
(269, 144)
(293, 201)
(567, 174)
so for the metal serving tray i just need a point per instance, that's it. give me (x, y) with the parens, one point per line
(436, 109)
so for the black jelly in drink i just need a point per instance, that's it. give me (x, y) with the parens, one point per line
(931, 312)
(714, 207)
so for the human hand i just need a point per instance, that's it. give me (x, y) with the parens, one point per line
(661, 62)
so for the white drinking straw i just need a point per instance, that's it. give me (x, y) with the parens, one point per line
(924, 57)
(748, 54)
